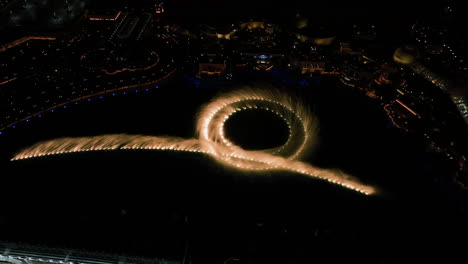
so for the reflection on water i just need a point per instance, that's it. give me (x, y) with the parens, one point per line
(83, 196)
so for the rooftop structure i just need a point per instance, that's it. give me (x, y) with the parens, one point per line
(26, 254)
(406, 55)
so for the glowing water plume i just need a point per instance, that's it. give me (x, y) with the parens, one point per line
(212, 141)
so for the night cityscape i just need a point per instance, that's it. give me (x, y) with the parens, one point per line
(176, 132)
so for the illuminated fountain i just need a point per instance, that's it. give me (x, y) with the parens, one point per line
(211, 139)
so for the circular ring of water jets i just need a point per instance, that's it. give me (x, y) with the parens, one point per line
(212, 140)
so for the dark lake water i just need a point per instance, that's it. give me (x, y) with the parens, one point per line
(151, 203)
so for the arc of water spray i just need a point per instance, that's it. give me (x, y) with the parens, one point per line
(212, 141)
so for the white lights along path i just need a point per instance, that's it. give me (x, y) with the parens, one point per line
(212, 141)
